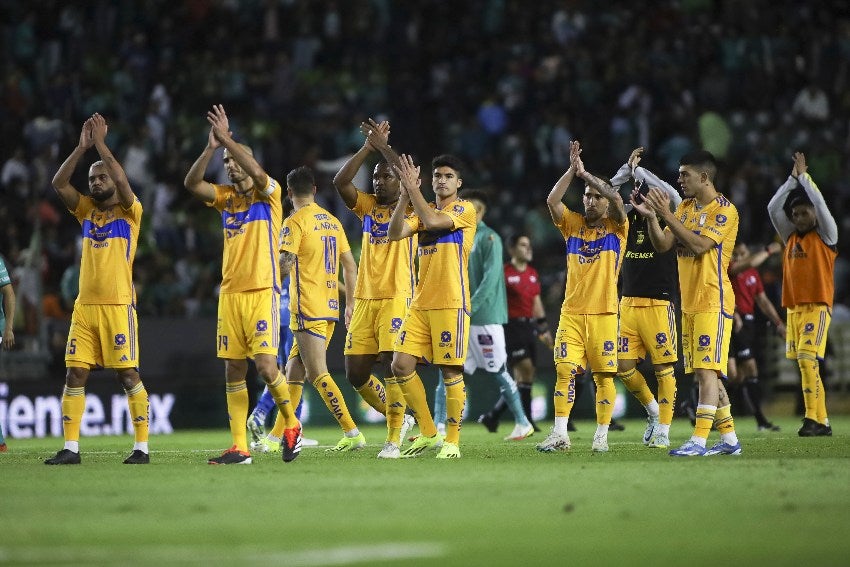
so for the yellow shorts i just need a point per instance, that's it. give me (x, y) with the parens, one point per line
(438, 336)
(248, 324)
(806, 330)
(375, 325)
(705, 341)
(583, 339)
(318, 328)
(649, 330)
(103, 335)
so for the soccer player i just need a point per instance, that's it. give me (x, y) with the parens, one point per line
(312, 248)
(7, 312)
(251, 214)
(703, 230)
(808, 229)
(587, 328)
(436, 326)
(749, 292)
(526, 325)
(384, 287)
(486, 350)
(103, 322)
(647, 313)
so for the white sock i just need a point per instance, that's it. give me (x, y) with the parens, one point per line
(698, 440)
(141, 446)
(652, 408)
(353, 433)
(729, 438)
(73, 446)
(601, 429)
(663, 428)
(561, 425)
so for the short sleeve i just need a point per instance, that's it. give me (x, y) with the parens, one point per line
(363, 204)
(290, 238)
(720, 224)
(570, 220)
(462, 213)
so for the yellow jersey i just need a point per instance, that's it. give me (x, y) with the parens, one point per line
(251, 224)
(316, 238)
(386, 267)
(704, 279)
(444, 259)
(109, 246)
(594, 258)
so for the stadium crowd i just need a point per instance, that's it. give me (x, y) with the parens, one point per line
(503, 84)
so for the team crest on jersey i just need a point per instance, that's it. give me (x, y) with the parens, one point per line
(702, 218)
(661, 338)
(640, 237)
(262, 326)
(720, 219)
(458, 209)
(120, 339)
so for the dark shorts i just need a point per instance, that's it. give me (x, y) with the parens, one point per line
(743, 341)
(520, 340)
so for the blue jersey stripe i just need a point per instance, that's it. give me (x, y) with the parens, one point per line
(260, 211)
(581, 247)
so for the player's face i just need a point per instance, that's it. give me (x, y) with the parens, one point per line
(101, 186)
(385, 184)
(522, 250)
(689, 180)
(233, 169)
(740, 253)
(595, 205)
(445, 182)
(803, 217)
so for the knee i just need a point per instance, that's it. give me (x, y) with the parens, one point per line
(128, 378)
(76, 377)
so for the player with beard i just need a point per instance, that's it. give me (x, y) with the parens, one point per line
(251, 214)
(103, 329)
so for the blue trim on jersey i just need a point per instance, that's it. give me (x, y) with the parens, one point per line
(118, 228)
(375, 229)
(256, 212)
(587, 249)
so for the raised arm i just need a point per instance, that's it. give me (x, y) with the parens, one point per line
(555, 199)
(378, 135)
(62, 180)
(827, 228)
(343, 180)
(430, 218)
(113, 168)
(659, 201)
(349, 277)
(220, 128)
(616, 210)
(194, 181)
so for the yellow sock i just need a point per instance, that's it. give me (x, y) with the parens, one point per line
(666, 395)
(414, 397)
(333, 399)
(704, 417)
(137, 400)
(395, 410)
(636, 384)
(278, 427)
(374, 394)
(237, 411)
(296, 389)
(280, 393)
(823, 417)
(723, 420)
(811, 383)
(455, 400)
(565, 389)
(606, 395)
(73, 406)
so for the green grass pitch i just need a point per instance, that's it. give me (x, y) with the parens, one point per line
(785, 501)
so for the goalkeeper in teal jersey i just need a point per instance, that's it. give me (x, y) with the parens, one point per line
(489, 312)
